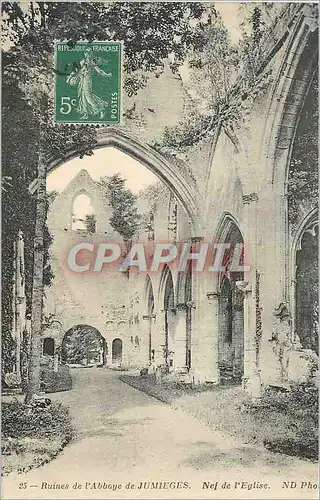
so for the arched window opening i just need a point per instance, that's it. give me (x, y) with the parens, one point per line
(169, 319)
(303, 174)
(48, 347)
(306, 289)
(83, 214)
(83, 345)
(116, 351)
(303, 200)
(231, 313)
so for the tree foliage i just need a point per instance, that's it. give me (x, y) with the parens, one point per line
(124, 218)
(222, 75)
(90, 222)
(79, 342)
(150, 32)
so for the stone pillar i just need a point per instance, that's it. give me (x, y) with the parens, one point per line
(55, 361)
(180, 339)
(148, 341)
(159, 344)
(237, 331)
(128, 356)
(251, 380)
(205, 351)
(224, 333)
(210, 339)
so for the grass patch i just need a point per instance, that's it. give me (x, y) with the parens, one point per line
(32, 436)
(284, 422)
(167, 391)
(295, 415)
(52, 381)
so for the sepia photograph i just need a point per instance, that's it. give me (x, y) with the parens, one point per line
(160, 310)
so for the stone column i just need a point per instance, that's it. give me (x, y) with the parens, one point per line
(55, 361)
(210, 339)
(180, 339)
(224, 334)
(205, 352)
(148, 343)
(251, 381)
(251, 378)
(159, 338)
(237, 331)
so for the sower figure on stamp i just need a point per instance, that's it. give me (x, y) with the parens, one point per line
(88, 102)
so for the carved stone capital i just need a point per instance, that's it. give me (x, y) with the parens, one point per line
(244, 286)
(191, 304)
(181, 307)
(196, 239)
(213, 295)
(282, 312)
(249, 198)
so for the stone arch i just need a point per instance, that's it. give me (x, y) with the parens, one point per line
(290, 90)
(97, 352)
(110, 325)
(117, 351)
(167, 306)
(230, 305)
(225, 225)
(181, 184)
(304, 299)
(287, 97)
(165, 275)
(149, 301)
(149, 296)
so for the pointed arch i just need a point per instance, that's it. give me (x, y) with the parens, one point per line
(165, 280)
(181, 184)
(287, 98)
(224, 226)
(304, 302)
(149, 298)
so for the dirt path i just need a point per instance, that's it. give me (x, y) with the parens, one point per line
(124, 435)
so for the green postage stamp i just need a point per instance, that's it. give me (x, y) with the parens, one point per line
(88, 82)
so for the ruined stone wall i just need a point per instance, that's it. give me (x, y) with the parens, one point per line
(98, 299)
(240, 170)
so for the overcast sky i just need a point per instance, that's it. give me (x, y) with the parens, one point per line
(105, 161)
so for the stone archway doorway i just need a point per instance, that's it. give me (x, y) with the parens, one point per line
(150, 318)
(117, 351)
(306, 318)
(83, 345)
(231, 314)
(169, 319)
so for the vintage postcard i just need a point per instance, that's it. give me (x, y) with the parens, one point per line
(160, 250)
